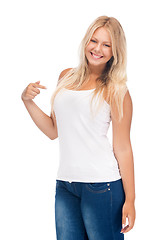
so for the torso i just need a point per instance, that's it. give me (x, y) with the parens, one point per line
(91, 84)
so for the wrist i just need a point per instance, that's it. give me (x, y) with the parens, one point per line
(28, 101)
(129, 199)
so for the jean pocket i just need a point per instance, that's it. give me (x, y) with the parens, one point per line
(98, 187)
(57, 183)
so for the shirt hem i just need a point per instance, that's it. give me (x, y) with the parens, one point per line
(88, 180)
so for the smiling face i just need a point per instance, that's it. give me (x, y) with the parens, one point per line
(99, 49)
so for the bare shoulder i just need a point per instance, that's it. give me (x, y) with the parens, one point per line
(127, 107)
(128, 101)
(121, 130)
(64, 72)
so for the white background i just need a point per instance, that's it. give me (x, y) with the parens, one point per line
(38, 40)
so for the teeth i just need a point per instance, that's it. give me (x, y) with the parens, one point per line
(95, 56)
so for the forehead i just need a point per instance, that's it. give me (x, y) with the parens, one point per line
(102, 34)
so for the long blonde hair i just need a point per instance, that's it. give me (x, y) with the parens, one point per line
(113, 79)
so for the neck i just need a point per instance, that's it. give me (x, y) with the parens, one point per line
(96, 71)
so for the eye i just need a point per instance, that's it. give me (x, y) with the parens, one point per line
(93, 40)
(106, 45)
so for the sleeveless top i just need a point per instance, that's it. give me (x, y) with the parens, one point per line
(85, 152)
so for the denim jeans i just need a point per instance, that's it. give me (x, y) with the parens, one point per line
(89, 211)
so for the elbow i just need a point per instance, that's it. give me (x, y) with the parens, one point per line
(53, 133)
(123, 153)
(53, 137)
(122, 149)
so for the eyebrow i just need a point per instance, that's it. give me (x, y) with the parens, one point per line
(104, 41)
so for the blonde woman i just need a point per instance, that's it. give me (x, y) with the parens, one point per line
(95, 189)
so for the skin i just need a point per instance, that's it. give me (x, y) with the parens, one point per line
(100, 44)
(121, 130)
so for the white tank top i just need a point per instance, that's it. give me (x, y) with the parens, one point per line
(84, 149)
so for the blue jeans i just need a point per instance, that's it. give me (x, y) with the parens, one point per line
(89, 211)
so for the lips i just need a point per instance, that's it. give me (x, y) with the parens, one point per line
(96, 56)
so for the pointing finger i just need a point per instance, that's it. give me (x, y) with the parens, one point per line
(39, 86)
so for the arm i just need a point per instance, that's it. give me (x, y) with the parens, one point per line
(42, 120)
(45, 123)
(123, 152)
(122, 147)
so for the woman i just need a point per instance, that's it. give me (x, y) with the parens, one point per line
(95, 190)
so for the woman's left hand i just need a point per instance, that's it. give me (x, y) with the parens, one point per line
(128, 211)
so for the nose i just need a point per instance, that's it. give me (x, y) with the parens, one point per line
(97, 49)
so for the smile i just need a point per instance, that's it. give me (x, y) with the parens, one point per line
(95, 56)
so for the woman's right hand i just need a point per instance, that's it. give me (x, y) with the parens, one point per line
(31, 91)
